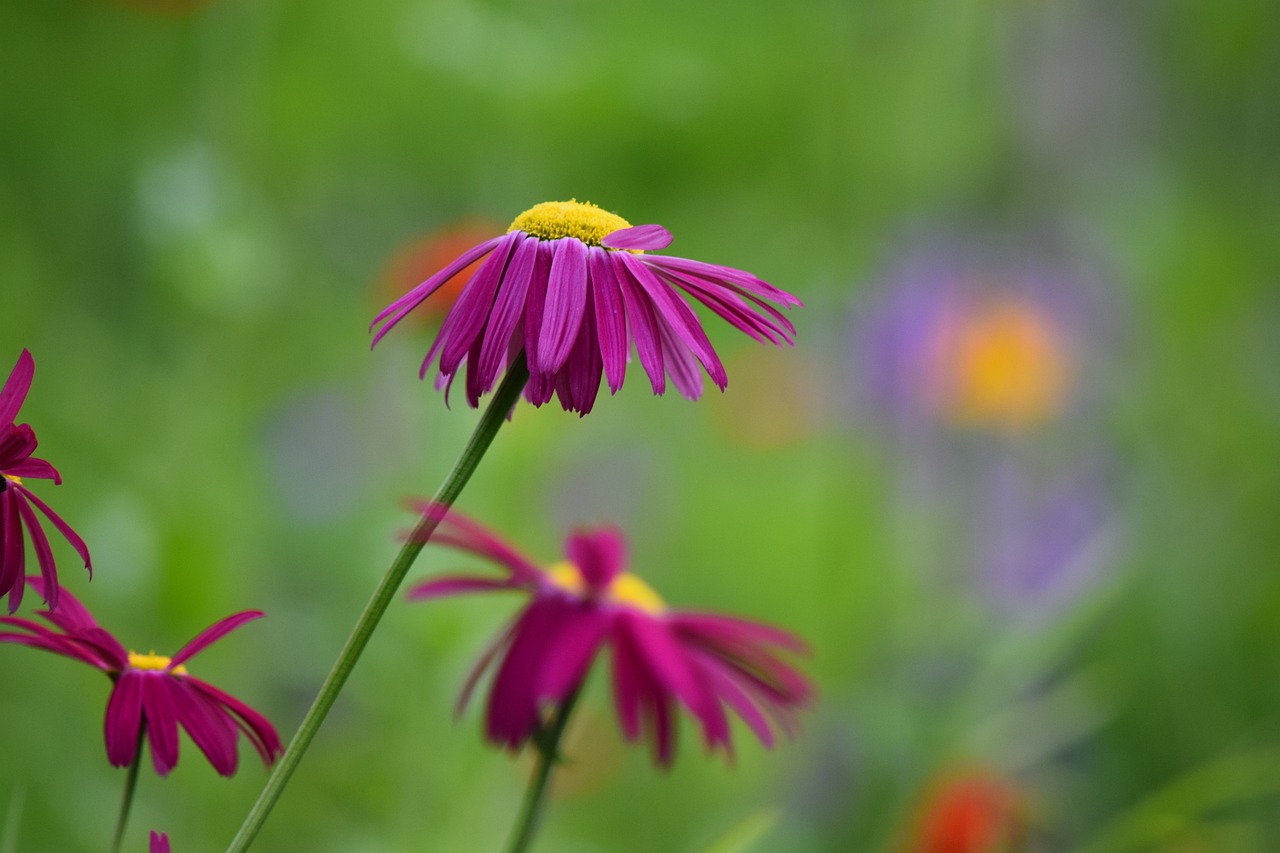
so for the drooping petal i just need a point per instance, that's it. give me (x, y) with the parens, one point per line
(600, 555)
(565, 306)
(508, 308)
(570, 650)
(65, 529)
(162, 721)
(35, 469)
(714, 273)
(12, 548)
(211, 634)
(681, 364)
(611, 318)
(487, 657)
(16, 386)
(396, 311)
(512, 712)
(124, 719)
(643, 325)
(208, 725)
(474, 305)
(534, 308)
(647, 238)
(256, 727)
(44, 554)
(678, 317)
(461, 532)
(578, 381)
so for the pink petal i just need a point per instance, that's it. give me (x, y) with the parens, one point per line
(65, 529)
(396, 311)
(566, 303)
(681, 364)
(124, 719)
(474, 305)
(162, 721)
(35, 469)
(16, 386)
(600, 555)
(507, 310)
(256, 727)
(12, 548)
(456, 585)
(535, 307)
(611, 318)
(212, 634)
(44, 554)
(643, 325)
(210, 728)
(642, 237)
(679, 318)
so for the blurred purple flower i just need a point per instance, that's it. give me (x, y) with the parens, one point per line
(660, 657)
(17, 443)
(570, 287)
(159, 842)
(152, 693)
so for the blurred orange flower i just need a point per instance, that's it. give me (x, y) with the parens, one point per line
(971, 811)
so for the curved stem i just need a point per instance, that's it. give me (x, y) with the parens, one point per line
(499, 407)
(130, 785)
(535, 799)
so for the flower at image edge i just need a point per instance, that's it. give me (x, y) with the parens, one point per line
(152, 690)
(660, 657)
(568, 288)
(17, 503)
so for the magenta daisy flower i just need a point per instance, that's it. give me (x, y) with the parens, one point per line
(17, 503)
(152, 693)
(660, 657)
(568, 288)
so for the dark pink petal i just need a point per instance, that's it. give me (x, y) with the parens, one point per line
(159, 842)
(643, 237)
(256, 727)
(44, 554)
(736, 630)
(162, 721)
(208, 725)
(65, 529)
(456, 585)
(534, 309)
(16, 387)
(736, 308)
(396, 311)
(461, 532)
(17, 442)
(569, 651)
(508, 308)
(513, 710)
(643, 324)
(124, 719)
(491, 651)
(474, 305)
(213, 633)
(565, 306)
(35, 469)
(611, 318)
(728, 690)
(629, 683)
(661, 655)
(678, 316)
(12, 548)
(600, 555)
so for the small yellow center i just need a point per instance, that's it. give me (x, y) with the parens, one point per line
(626, 588)
(154, 662)
(552, 220)
(13, 478)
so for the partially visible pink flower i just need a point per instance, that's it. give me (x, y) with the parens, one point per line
(152, 693)
(660, 657)
(159, 842)
(17, 443)
(568, 288)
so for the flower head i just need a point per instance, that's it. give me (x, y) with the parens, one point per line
(17, 504)
(660, 657)
(568, 288)
(151, 692)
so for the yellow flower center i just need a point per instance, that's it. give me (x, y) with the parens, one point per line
(626, 588)
(13, 478)
(1009, 366)
(552, 220)
(154, 662)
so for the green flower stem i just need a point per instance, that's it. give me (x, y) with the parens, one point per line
(535, 799)
(130, 785)
(500, 406)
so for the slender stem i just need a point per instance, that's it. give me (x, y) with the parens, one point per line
(130, 785)
(499, 407)
(535, 799)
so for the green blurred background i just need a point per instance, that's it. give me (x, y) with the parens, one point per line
(202, 206)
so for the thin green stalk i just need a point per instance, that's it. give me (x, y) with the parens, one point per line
(499, 407)
(535, 799)
(130, 785)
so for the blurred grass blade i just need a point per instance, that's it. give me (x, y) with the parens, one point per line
(744, 835)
